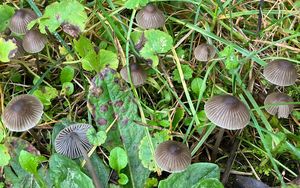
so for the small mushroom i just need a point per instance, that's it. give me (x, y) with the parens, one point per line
(34, 41)
(21, 18)
(280, 72)
(150, 17)
(22, 113)
(227, 112)
(172, 156)
(204, 52)
(283, 110)
(73, 143)
(138, 75)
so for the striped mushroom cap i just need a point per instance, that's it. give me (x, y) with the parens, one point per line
(138, 75)
(150, 17)
(21, 18)
(172, 156)
(34, 41)
(67, 140)
(22, 113)
(280, 72)
(204, 52)
(227, 111)
(282, 111)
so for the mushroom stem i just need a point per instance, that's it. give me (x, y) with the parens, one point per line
(217, 144)
(89, 164)
(37, 63)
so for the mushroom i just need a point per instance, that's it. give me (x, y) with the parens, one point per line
(34, 41)
(150, 17)
(227, 112)
(22, 113)
(138, 75)
(21, 18)
(204, 52)
(283, 110)
(73, 143)
(172, 156)
(20, 50)
(280, 72)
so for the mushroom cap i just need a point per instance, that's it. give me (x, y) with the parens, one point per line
(66, 144)
(204, 52)
(22, 113)
(34, 41)
(282, 111)
(280, 72)
(150, 17)
(138, 75)
(172, 156)
(227, 111)
(21, 18)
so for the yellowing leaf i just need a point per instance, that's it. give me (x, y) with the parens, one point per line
(7, 49)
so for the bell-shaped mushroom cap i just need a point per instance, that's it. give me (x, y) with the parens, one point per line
(280, 72)
(204, 52)
(138, 75)
(283, 110)
(227, 111)
(34, 41)
(67, 140)
(150, 17)
(22, 113)
(21, 18)
(172, 156)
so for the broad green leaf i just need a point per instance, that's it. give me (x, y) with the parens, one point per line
(187, 73)
(201, 115)
(191, 176)
(131, 4)
(64, 12)
(30, 162)
(66, 74)
(231, 61)
(107, 59)
(118, 159)
(5, 157)
(67, 88)
(96, 138)
(7, 49)
(83, 46)
(145, 153)
(2, 132)
(156, 42)
(123, 179)
(107, 100)
(178, 116)
(196, 85)
(66, 173)
(6, 12)
(46, 94)
(209, 183)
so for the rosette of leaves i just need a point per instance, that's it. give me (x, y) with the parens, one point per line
(109, 101)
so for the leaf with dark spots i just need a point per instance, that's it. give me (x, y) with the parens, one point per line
(248, 182)
(121, 107)
(71, 29)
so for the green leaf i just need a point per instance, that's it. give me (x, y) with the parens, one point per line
(201, 115)
(189, 178)
(7, 49)
(66, 173)
(83, 46)
(178, 116)
(209, 183)
(5, 157)
(67, 88)
(96, 138)
(118, 159)
(145, 153)
(6, 12)
(231, 61)
(156, 42)
(107, 59)
(123, 179)
(187, 73)
(46, 94)
(196, 85)
(66, 11)
(132, 4)
(30, 162)
(107, 100)
(66, 74)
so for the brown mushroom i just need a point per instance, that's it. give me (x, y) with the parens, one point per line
(150, 17)
(21, 18)
(283, 110)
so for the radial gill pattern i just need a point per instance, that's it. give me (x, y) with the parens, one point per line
(172, 156)
(280, 72)
(204, 52)
(227, 111)
(22, 113)
(34, 41)
(283, 110)
(19, 21)
(138, 75)
(69, 140)
(150, 17)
